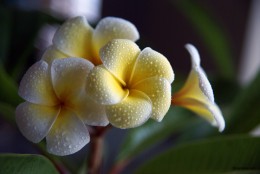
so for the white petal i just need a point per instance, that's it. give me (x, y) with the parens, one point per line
(67, 135)
(204, 84)
(113, 28)
(36, 86)
(133, 111)
(203, 80)
(195, 57)
(90, 112)
(52, 53)
(103, 87)
(159, 92)
(216, 112)
(119, 57)
(35, 121)
(151, 63)
(74, 38)
(69, 77)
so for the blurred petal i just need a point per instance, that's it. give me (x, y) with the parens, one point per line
(113, 28)
(103, 87)
(36, 86)
(52, 53)
(197, 94)
(67, 135)
(119, 57)
(74, 38)
(35, 121)
(69, 77)
(133, 111)
(151, 64)
(89, 111)
(159, 92)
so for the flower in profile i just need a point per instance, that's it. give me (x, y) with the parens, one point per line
(197, 94)
(76, 38)
(133, 85)
(57, 106)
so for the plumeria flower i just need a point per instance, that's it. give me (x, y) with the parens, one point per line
(57, 106)
(133, 85)
(76, 38)
(197, 94)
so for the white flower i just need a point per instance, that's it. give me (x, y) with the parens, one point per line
(57, 106)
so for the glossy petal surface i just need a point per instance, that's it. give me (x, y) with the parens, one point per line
(69, 77)
(113, 28)
(103, 87)
(35, 121)
(203, 80)
(159, 92)
(133, 111)
(74, 38)
(67, 135)
(152, 64)
(36, 86)
(119, 57)
(90, 112)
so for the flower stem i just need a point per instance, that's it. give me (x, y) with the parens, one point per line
(96, 149)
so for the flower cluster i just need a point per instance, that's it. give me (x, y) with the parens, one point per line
(99, 76)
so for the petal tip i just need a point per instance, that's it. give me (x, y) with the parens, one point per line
(195, 57)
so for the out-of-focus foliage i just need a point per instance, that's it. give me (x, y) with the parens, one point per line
(221, 155)
(151, 133)
(25, 164)
(214, 37)
(245, 112)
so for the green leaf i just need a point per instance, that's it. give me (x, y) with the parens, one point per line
(25, 164)
(8, 89)
(141, 138)
(225, 154)
(212, 34)
(245, 112)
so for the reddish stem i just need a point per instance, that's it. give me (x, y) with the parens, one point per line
(96, 148)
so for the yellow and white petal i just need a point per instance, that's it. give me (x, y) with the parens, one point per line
(133, 111)
(159, 92)
(113, 28)
(67, 135)
(151, 64)
(35, 121)
(69, 77)
(199, 73)
(36, 86)
(197, 94)
(103, 87)
(206, 109)
(74, 38)
(52, 53)
(90, 112)
(119, 57)
(192, 97)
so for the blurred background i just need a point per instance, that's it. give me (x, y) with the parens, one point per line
(226, 33)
